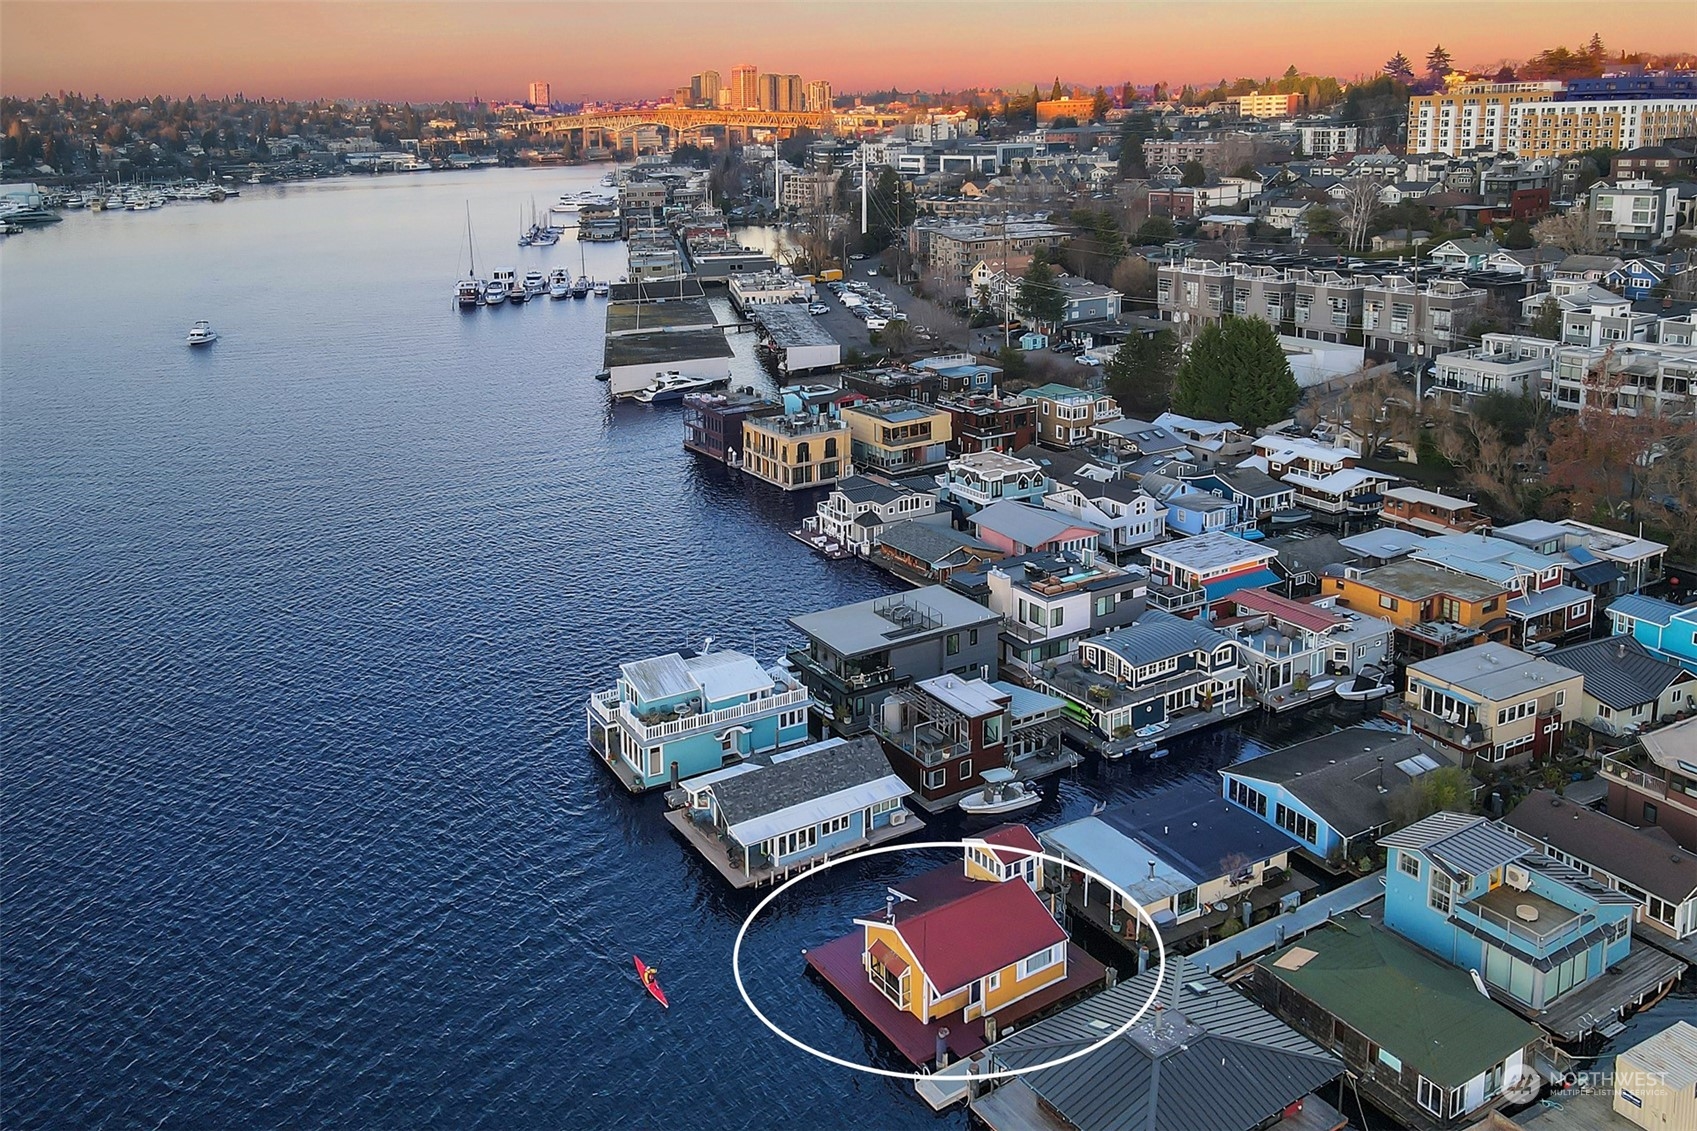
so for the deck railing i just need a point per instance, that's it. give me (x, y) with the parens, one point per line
(607, 707)
(1526, 932)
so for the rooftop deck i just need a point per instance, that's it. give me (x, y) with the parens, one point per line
(839, 963)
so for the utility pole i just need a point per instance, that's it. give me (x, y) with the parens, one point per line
(863, 186)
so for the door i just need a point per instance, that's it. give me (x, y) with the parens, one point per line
(974, 999)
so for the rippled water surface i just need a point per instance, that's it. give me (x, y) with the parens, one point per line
(300, 829)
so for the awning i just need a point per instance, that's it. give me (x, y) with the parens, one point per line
(888, 959)
(1598, 573)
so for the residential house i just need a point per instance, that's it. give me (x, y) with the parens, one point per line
(1399, 238)
(1127, 516)
(1187, 573)
(898, 436)
(1066, 415)
(990, 422)
(1634, 215)
(1332, 793)
(1490, 703)
(1256, 494)
(1297, 651)
(1020, 528)
(941, 734)
(1381, 546)
(685, 713)
(761, 819)
(961, 950)
(1419, 1040)
(713, 422)
(1654, 782)
(1325, 478)
(927, 553)
(796, 451)
(858, 509)
(1663, 628)
(1306, 558)
(1501, 363)
(1651, 161)
(1146, 1078)
(974, 480)
(1210, 442)
(857, 654)
(1049, 601)
(1541, 605)
(1627, 689)
(1431, 512)
(1646, 864)
(1191, 510)
(1087, 301)
(1637, 561)
(1434, 610)
(1163, 671)
(1626, 379)
(1180, 852)
(1467, 253)
(1539, 933)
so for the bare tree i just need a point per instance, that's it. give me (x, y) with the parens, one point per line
(1574, 231)
(1356, 210)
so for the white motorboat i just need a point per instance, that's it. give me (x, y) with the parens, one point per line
(673, 386)
(601, 288)
(1367, 686)
(535, 282)
(1150, 731)
(1002, 793)
(494, 292)
(202, 334)
(559, 284)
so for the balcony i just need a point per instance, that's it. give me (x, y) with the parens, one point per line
(1506, 908)
(607, 708)
(1174, 599)
(927, 744)
(1452, 733)
(853, 678)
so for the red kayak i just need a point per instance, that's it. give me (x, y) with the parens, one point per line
(654, 986)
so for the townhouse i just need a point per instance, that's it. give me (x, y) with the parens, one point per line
(1065, 415)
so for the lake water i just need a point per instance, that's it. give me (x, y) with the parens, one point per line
(300, 828)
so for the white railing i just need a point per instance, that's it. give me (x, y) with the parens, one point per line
(607, 706)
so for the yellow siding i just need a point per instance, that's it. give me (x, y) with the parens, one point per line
(916, 992)
(1012, 988)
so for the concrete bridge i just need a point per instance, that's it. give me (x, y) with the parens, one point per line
(678, 123)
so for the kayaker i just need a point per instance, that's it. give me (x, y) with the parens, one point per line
(651, 975)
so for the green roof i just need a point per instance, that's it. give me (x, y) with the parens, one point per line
(1422, 1011)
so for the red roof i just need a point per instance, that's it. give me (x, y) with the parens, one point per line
(1298, 613)
(980, 933)
(1014, 836)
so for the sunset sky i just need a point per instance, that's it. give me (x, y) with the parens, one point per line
(620, 49)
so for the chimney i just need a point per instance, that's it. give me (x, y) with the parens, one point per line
(1151, 869)
(1620, 649)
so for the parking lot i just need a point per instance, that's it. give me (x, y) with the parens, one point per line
(852, 332)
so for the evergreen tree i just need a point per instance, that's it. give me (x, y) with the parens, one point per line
(1399, 68)
(1099, 105)
(1136, 128)
(1193, 174)
(1236, 370)
(1546, 323)
(1056, 91)
(1039, 301)
(1438, 62)
(1140, 374)
(1594, 49)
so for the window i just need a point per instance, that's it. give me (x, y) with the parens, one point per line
(1297, 824)
(833, 826)
(936, 779)
(1390, 1061)
(1185, 903)
(951, 644)
(797, 841)
(1439, 893)
(965, 768)
(1390, 603)
(1431, 1096)
(993, 982)
(992, 730)
(1408, 863)
(1042, 960)
(1517, 712)
(972, 637)
(1618, 930)
(1649, 813)
(892, 986)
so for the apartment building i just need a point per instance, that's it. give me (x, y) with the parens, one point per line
(1269, 105)
(1316, 303)
(1323, 141)
(1501, 363)
(1635, 215)
(951, 251)
(796, 451)
(1473, 116)
(1403, 317)
(1555, 129)
(1631, 379)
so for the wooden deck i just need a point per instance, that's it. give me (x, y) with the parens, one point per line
(839, 963)
(1592, 1111)
(1013, 1107)
(717, 853)
(1599, 1003)
(1194, 934)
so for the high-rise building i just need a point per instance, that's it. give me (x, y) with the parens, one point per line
(683, 96)
(780, 92)
(745, 87)
(704, 88)
(818, 96)
(1555, 129)
(539, 94)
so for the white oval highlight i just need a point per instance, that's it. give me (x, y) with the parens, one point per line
(882, 850)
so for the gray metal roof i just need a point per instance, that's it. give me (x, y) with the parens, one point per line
(1619, 671)
(1462, 845)
(1156, 635)
(1212, 1061)
(1491, 671)
(886, 622)
(1196, 831)
(1023, 523)
(865, 489)
(925, 541)
(1339, 775)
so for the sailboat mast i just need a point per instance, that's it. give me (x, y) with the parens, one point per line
(471, 248)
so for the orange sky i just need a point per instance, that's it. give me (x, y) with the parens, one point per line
(632, 48)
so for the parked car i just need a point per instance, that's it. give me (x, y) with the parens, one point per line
(876, 323)
(1086, 359)
(817, 308)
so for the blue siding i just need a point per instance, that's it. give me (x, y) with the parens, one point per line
(1327, 839)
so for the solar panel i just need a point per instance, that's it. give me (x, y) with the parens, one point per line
(1417, 765)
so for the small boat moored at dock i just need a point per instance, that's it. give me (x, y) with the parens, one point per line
(673, 386)
(1369, 685)
(1003, 793)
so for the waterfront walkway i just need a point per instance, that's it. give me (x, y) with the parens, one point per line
(1249, 944)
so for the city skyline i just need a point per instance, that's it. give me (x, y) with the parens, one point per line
(439, 52)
